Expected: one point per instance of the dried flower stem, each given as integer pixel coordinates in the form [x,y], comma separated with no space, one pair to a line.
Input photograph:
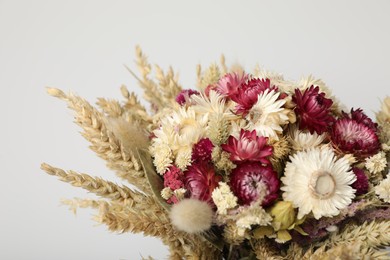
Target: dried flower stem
[95,185]
[102,141]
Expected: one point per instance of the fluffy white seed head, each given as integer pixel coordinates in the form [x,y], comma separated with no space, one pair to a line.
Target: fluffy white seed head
[191,216]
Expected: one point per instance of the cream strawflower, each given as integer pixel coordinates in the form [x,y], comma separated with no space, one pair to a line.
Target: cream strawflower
[213,104]
[304,140]
[376,163]
[383,189]
[177,133]
[219,115]
[316,181]
[223,198]
[267,115]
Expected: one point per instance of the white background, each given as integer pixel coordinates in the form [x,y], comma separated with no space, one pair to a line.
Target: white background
[82,46]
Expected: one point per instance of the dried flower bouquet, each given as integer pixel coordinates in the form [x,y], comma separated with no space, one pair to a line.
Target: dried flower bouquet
[247,166]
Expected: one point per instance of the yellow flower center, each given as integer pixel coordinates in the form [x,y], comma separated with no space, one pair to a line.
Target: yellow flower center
[322,185]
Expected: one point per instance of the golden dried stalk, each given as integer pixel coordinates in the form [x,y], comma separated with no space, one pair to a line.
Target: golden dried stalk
[353,250]
[76,203]
[95,185]
[371,234]
[224,68]
[161,94]
[110,107]
[151,219]
[209,77]
[134,110]
[265,251]
[103,142]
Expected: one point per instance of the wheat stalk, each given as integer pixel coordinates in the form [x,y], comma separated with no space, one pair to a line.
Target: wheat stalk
[161,94]
[95,185]
[151,219]
[103,142]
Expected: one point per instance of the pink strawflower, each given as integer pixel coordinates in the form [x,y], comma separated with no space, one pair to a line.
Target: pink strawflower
[361,183]
[251,181]
[202,150]
[200,180]
[313,110]
[183,97]
[360,117]
[173,178]
[229,84]
[349,136]
[248,94]
[248,147]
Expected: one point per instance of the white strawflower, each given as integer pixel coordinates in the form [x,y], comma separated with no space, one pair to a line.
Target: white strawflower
[223,198]
[213,104]
[376,163]
[316,181]
[268,115]
[301,140]
[383,189]
[177,134]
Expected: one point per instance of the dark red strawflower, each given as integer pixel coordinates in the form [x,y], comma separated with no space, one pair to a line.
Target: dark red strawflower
[247,95]
[200,180]
[361,183]
[248,147]
[313,110]
[173,178]
[202,150]
[350,136]
[360,117]
[249,180]
[183,97]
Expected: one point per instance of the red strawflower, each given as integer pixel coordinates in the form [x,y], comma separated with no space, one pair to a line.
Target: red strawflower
[229,84]
[249,147]
[360,117]
[249,180]
[200,180]
[183,97]
[350,136]
[202,150]
[361,183]
[174,178]
[313,110]
[248,94]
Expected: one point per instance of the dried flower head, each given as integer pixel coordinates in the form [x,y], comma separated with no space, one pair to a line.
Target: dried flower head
[249,147]
[316,181]
[313,109]
[252,182]
[352,137]
[383,189]
[223,198]
[376,163]
[191,216]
